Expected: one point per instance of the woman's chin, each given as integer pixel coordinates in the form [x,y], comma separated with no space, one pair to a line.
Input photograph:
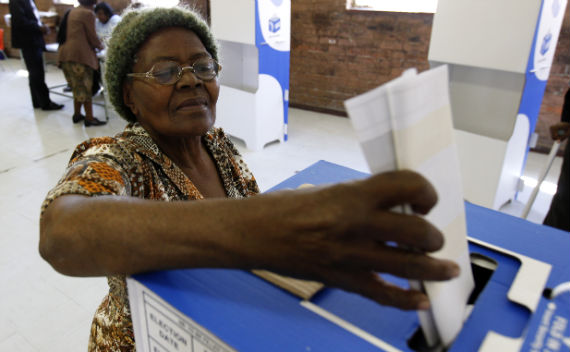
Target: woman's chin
[193,124]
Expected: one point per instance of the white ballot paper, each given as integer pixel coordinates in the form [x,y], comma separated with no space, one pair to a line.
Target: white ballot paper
[406,124]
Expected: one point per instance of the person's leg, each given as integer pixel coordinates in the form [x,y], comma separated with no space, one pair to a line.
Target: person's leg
[36,76]
[67,68]
[77,117]
[559,213]
[88,109]
[86,96]
[90,120]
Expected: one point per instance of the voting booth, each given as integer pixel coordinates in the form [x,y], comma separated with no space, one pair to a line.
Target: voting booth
[232,310]
[499,55]
[254,37]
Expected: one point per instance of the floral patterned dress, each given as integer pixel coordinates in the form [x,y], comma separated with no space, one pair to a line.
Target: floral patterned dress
[131,164]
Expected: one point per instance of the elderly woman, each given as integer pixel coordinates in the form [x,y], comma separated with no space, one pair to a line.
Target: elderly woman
[78,60]
[171,191]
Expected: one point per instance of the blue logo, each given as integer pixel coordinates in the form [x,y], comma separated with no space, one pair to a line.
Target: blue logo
[277,2]
[274,24]
[555,8]
[545,43]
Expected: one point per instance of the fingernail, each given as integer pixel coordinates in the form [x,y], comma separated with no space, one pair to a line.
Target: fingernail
[423,305]
[454,271]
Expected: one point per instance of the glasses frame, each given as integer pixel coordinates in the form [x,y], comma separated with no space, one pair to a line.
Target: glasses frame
[150,74]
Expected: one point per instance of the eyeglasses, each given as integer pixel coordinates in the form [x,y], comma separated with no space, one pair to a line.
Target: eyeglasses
[170,72]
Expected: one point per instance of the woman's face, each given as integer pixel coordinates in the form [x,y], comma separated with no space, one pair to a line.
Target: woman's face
[184,109]
[102,16]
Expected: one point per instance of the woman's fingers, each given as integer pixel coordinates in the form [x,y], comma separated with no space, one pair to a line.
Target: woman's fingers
[404,187]
[403,229]
[400,262]
[371,285]
[413,265]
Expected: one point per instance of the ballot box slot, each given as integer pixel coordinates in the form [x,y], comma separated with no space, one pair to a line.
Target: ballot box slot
[483,268]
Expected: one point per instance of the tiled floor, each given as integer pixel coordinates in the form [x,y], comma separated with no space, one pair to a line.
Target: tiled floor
[41,310]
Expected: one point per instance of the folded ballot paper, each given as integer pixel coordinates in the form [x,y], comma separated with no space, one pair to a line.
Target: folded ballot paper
[406,124]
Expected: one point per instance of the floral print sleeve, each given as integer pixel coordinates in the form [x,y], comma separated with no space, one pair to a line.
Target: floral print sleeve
[94,169]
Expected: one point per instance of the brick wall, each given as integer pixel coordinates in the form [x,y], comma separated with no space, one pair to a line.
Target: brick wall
[336,54]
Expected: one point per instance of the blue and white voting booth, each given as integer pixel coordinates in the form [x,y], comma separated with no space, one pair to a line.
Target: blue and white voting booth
[499,55]
[255,37]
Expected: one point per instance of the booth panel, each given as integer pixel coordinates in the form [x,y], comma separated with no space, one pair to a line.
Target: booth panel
[240,65]
[233,20]
[466,31]
[481,160]
[484,101]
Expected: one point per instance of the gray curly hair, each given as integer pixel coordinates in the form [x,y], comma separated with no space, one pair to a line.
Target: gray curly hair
[133,30]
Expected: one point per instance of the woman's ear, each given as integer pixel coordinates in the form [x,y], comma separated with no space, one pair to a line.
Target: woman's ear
[128,99]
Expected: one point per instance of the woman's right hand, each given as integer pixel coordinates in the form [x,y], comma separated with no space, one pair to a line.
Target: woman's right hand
[343,235]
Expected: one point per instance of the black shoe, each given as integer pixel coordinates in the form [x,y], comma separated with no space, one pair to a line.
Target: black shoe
[52,106]
[78,118]
[94,122]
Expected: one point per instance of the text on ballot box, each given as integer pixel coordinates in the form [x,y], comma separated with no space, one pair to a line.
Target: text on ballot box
[170,331]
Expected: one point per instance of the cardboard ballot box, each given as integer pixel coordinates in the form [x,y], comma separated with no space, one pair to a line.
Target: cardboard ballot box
[515,264]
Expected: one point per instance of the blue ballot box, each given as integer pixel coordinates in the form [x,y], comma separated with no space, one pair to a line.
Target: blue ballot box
[233,310]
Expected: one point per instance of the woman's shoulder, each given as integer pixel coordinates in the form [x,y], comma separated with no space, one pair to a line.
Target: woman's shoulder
[82,13]
[96,145]
[119,147]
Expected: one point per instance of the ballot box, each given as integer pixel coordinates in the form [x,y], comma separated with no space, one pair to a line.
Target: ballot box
[516,264]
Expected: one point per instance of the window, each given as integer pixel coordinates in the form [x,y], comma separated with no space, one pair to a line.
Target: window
[428,6]
[161,3]
[67,2]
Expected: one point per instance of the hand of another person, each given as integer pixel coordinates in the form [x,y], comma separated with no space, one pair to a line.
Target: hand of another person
[560,131]
[344,234]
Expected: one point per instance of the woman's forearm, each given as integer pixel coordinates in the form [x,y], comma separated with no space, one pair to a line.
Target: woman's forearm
[94,236]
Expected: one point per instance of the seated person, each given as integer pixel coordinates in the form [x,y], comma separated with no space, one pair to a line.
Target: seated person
[106,21]
[172,191]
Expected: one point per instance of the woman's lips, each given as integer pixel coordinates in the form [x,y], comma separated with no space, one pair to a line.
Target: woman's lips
[193,103]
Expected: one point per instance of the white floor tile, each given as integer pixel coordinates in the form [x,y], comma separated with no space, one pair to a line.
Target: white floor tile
[16,343]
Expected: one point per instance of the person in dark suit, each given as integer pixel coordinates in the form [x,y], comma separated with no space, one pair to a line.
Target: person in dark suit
[27,35]
[559,213]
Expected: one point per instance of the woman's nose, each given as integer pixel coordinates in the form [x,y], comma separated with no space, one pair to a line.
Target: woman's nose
[188,78]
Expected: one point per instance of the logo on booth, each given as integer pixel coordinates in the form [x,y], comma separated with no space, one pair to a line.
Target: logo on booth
[274,24]
[555,8]
[545,43]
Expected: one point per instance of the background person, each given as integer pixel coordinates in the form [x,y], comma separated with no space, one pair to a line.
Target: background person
[559,213]
[27,35]
[106,21]
[78,60]
[171,191]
